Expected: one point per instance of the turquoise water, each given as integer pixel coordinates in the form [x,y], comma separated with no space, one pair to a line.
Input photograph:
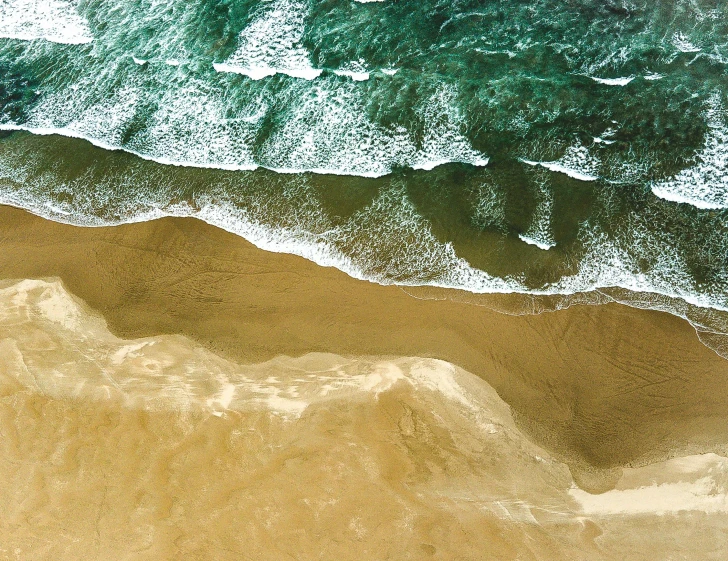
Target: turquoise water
[546,147]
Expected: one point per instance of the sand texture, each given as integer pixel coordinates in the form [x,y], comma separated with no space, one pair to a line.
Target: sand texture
[603,386]
[157,448]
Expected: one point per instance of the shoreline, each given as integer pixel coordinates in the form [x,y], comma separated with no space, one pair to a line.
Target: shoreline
[601,386]
[157,190]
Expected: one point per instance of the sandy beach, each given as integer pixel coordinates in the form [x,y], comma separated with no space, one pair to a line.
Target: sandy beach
[363,280]
[604,386]
[169,385]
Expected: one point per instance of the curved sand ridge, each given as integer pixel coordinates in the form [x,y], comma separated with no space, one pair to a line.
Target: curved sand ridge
[159,447]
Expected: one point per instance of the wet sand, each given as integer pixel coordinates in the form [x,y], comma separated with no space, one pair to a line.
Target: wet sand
[600,386]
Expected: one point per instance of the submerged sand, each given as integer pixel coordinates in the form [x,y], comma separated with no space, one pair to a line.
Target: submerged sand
[156,448]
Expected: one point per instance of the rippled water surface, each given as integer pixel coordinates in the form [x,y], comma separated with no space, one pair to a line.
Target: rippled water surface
[541,146]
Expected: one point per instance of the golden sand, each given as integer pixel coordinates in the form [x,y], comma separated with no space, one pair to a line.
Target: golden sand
[156,448]
[608,384]
[230,403]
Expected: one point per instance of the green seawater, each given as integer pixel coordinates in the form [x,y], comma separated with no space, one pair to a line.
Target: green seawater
[547,147]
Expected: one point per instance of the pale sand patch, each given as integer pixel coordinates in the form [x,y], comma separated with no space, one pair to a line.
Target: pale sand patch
[693,483]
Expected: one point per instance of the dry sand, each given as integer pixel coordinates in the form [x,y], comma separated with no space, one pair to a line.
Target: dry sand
[157,449]
[195,436]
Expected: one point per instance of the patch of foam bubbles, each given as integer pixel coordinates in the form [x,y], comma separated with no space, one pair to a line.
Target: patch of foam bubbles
[356,70]
[323,126]
[608,263]
[443,142]
[327,131]
[613,81]
[217,140]
[705,184]
[490,207]
[53,20]
[393,243]
[387,242]
[681,42]
[539,233]
[272,43]
[576,162]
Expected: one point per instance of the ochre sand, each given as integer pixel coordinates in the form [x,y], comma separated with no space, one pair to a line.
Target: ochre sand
[604,385]
[131,465]
[156,448]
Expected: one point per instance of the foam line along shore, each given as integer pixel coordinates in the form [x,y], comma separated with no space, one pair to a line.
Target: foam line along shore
[452,227]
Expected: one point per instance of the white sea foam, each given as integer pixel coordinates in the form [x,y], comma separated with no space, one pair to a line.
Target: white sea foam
[410,250]
[538,243]
[354,75]
[576,162]
[260,72]
[271,43]
[323,128]
[443,141]
[217,141]
[683,44]
[70,133]
[539,233]
[53,20]
[613,81]
[328,131]
[612,263]
[704,184]
[570,171]
[356,70]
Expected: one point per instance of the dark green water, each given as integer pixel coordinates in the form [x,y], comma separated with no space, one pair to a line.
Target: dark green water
[547,147]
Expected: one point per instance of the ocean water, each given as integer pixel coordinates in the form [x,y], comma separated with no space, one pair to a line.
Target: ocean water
[539,147]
